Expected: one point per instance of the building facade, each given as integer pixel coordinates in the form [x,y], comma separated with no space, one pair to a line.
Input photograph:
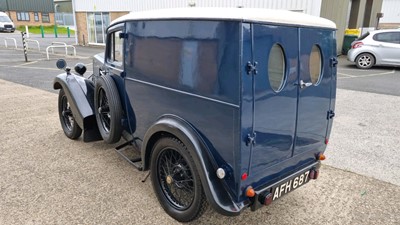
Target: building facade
[93,16]
[391,14]
[29,12]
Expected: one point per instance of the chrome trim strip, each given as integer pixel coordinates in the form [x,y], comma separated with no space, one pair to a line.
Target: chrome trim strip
[183,92]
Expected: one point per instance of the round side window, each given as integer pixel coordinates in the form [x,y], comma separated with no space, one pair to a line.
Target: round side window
[276,67]
[315,64]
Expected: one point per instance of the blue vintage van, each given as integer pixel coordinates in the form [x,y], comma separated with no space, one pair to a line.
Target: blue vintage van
[227,107]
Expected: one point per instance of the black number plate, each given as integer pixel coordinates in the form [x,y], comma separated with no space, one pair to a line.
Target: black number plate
[290,185]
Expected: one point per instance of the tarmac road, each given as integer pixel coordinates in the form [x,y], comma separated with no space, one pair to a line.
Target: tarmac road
[48,179]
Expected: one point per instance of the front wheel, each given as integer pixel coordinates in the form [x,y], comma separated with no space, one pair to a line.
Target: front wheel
[365,61]
[176,180]
[70,127]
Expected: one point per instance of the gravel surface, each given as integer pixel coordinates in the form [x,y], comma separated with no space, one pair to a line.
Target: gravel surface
[49,179]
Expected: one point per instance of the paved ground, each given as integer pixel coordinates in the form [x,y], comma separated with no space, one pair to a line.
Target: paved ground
[49,179]
[383,80]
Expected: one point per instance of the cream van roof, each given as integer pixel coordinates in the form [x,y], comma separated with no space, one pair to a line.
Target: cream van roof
[239,14]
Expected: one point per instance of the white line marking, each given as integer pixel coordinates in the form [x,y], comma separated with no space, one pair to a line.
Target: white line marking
[347,75]
[356,69]
[28,63]
[368,75]
[31,67]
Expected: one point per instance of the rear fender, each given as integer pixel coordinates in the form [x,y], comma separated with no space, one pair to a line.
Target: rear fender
[217,195]
[80,94]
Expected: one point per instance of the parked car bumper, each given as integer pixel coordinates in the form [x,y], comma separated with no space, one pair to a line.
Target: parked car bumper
[7,29]
[352,54]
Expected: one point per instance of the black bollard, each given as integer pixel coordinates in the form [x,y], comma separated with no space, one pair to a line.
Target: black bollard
[24,46]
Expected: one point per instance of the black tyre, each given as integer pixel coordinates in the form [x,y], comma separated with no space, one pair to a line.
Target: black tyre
[108,109]
[176,181]
[70,127]
[365,61]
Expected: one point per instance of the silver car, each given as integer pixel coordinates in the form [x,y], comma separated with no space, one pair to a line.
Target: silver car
[379,47]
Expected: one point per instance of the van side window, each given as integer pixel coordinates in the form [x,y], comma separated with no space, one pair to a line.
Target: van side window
[276,68]
[315,64]
[116,48]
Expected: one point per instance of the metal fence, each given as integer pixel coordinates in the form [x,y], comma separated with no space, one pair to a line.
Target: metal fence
[64,19]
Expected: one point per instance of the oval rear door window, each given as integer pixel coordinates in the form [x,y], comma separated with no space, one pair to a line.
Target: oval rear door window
[315,64]
[276,68]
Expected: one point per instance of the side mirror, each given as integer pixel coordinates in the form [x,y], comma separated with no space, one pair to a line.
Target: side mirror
[61,64]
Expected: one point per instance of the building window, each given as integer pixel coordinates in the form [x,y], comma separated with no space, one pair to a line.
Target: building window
[97,24]
[36,15]
[45,18]
[23,16]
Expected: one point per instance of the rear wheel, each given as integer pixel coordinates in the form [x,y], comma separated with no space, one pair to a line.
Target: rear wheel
[108,109]
[365,61]
[176,181]
[70,127]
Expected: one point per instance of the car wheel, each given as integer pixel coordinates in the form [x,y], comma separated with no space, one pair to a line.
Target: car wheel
[70,127]
[176,180]
[108,109]
[365,61]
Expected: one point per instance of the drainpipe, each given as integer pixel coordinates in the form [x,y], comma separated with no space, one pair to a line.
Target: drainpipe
[8,9]
[74,16]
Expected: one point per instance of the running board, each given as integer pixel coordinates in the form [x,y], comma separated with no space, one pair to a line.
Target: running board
[130,154]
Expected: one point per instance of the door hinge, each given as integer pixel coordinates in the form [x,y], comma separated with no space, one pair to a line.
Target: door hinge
[330,114]
[123,35]
[251,139]
[251,68]
[334,62]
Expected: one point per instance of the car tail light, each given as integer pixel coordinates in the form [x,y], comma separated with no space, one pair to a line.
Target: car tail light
[314,174]
[266,199]
[357,44]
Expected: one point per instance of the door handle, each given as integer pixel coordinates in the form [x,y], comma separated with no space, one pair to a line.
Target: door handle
[102,72]
[304,85]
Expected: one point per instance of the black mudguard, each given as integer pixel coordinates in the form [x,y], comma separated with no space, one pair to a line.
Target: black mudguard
[80,94]
[217,195]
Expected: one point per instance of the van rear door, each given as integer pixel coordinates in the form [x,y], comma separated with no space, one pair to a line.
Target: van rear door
[315,83]
[275,49]
[292,96]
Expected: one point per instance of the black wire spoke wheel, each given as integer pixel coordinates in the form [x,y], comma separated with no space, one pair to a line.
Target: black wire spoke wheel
[70,127]
[108,109]
[67,117]
[176,180]
[104,110]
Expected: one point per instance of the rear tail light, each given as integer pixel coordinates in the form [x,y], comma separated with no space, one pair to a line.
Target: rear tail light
[314,174]
[266,199]
[357,44]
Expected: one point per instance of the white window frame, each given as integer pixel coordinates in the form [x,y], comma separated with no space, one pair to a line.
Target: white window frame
[103,27]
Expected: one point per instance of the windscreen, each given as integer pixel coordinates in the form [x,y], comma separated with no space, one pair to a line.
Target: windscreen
[4,19]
